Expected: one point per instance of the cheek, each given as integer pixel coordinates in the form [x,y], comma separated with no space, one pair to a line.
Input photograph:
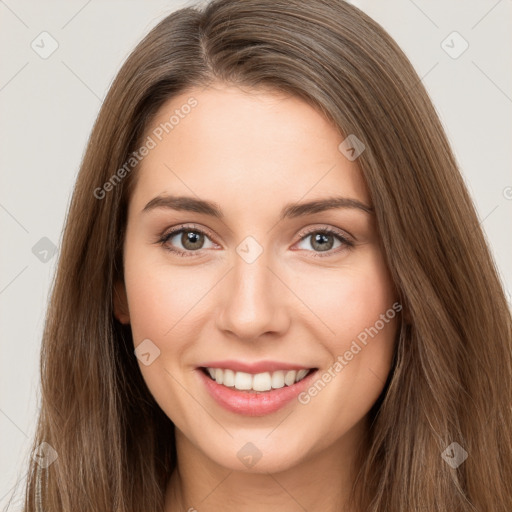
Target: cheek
[164,308]
[163,301]
[362,314]
[351,299]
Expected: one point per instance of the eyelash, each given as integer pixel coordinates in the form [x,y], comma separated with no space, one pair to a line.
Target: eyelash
[164,238]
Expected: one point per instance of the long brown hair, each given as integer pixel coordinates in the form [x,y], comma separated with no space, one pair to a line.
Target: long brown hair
[451,380]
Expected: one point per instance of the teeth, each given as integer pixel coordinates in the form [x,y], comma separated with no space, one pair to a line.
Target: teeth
[229,378]
[243,380]
[258,382]
[301,374]
[278,379]
[289,377]
[262,382]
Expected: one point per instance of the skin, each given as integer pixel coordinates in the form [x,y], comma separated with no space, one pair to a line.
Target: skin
[252,152]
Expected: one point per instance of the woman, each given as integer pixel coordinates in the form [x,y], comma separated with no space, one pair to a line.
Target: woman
[273,290]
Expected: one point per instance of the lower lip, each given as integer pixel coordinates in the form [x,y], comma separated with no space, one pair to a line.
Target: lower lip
[252,403]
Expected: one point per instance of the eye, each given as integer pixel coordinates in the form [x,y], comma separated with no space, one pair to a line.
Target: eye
[324,240]
[185,240]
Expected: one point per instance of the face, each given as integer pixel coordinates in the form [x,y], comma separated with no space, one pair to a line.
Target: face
[235,268]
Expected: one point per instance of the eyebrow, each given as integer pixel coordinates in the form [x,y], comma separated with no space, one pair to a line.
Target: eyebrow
[290,211]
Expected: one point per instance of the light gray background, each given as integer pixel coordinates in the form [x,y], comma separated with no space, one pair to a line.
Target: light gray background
[48,107]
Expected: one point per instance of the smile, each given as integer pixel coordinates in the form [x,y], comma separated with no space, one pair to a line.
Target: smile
[249,390]
[259,382]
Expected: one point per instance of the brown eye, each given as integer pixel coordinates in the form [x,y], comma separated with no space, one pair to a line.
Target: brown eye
[192,240]
[185,241]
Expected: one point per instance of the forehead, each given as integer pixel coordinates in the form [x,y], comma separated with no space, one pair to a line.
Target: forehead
[245,148]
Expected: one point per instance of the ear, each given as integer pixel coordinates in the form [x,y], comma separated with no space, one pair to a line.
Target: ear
[121,311]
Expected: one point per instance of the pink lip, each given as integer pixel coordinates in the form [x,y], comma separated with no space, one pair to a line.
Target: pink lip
[257,367]
[252,403]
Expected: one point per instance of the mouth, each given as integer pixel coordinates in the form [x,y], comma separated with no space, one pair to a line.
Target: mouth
[254,394]
[256,383]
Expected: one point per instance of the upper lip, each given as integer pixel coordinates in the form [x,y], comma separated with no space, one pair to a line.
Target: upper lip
[253,367]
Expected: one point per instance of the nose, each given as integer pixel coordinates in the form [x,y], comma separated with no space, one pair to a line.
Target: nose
[255,301]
